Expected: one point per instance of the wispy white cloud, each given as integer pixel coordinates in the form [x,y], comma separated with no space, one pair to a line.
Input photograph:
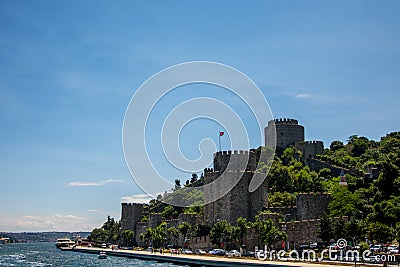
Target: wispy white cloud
[99,183]
[303,96]
[56,222]
[139,198]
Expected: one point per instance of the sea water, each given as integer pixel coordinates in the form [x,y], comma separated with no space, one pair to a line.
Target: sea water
[46,255]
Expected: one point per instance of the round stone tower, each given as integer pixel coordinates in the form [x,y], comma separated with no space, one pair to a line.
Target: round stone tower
[288,132]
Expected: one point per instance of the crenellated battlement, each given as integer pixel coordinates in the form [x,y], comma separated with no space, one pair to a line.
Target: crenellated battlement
[132,204]
[237,160]
[229,152]
[313,142]
[208,170]
[283,121]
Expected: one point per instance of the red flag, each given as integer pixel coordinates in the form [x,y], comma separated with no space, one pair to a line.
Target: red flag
[221,133]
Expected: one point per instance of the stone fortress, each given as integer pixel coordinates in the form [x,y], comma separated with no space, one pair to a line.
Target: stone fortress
[300,222]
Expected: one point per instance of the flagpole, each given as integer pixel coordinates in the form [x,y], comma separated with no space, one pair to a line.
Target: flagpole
[219,137]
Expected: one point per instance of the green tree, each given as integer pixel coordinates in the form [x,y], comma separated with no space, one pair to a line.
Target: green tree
[109,232]
[269,234]
[147,235]
[386,183]
[173,235]
[338,228]
[159,235]
[220,232]
[100,235]
[336,145]
[278,199]
[184,228]
[343,203]
[288,155]
[354,228]
[325,173]
[202,230]
[169,213]
[380,232]
[242,226]
[397,232]
[325,230]
[128,236]
[358,145]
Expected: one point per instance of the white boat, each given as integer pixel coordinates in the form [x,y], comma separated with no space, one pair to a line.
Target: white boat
[102,255]
[64,242]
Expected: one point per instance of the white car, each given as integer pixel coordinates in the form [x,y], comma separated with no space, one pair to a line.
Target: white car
[394,250]
[187,251]
[376,248]
[200,252]
[233,253]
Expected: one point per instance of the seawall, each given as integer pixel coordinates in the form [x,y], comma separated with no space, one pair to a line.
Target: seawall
[193,260]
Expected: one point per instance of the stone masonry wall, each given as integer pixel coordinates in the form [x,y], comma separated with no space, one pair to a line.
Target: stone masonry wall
[312,205]
[131,214]
[311,148]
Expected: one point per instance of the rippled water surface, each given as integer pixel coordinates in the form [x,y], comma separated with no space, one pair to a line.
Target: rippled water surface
[46,254]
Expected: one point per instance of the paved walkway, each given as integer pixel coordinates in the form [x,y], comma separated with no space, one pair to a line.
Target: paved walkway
[198,260]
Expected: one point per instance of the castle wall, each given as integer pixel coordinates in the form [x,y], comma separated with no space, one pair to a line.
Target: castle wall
[317,165]
[311,148]
[131,214]
[312,205]
[154,219]
[238,202]
[202,242]
[301,232]
[289,212]
[140,229]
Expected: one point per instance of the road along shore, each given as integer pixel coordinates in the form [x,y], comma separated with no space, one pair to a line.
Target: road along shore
[196,260]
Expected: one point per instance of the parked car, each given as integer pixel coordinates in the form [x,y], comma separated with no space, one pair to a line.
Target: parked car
[376,248]
[217,251]
[200,252]
[250,254]
[174,251]
[149,249]
[233,253]
[261,254]
[187,251]
[104,245]
[394,249]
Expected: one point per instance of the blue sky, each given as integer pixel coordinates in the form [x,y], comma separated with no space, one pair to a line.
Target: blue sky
[69,69]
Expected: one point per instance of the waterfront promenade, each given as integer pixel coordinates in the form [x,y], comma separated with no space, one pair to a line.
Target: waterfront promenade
[195,260]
